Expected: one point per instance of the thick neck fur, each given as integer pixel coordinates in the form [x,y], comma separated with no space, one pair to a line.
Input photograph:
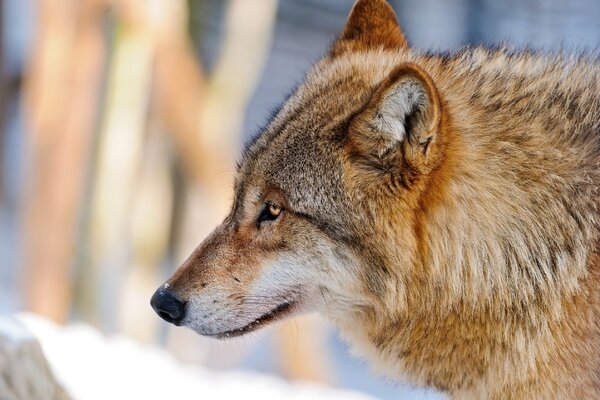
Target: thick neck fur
[503,298]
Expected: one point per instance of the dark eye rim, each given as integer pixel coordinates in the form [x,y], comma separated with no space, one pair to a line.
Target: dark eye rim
[267,214]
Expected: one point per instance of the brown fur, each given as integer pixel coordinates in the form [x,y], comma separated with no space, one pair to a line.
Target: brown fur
[441,210]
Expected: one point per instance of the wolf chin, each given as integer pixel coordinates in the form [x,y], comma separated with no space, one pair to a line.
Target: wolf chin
[440,209]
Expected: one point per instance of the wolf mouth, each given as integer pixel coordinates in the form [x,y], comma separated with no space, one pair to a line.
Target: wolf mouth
[276,313]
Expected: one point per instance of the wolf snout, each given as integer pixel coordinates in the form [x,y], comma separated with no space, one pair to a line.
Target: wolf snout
[168,306]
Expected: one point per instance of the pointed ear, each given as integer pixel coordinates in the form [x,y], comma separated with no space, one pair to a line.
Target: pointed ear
[401,123]
[372,24]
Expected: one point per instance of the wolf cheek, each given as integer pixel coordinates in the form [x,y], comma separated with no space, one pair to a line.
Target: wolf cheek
[248,274]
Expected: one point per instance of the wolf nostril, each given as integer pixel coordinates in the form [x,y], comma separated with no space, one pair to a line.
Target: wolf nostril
[164,315]
[166,304]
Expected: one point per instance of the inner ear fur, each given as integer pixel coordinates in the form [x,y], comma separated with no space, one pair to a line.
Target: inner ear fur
[402,119]
[372,24]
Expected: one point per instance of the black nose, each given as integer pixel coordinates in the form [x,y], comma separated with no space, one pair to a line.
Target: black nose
[168,306]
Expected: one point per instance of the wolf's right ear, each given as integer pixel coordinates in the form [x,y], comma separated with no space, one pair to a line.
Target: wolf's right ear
[372,24]
[400,128]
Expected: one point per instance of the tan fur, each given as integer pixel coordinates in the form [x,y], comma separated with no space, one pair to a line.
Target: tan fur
[441,210]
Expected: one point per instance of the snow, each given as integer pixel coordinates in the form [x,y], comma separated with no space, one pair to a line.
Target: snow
[92,366]
[12,331]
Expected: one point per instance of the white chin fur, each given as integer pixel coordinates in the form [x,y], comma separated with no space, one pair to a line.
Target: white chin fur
[210,318]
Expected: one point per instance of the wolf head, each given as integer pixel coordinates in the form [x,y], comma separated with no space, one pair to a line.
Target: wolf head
[334,179]
[440,210]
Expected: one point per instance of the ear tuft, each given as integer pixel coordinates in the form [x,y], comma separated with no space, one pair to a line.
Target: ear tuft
[372,24]
[405,110]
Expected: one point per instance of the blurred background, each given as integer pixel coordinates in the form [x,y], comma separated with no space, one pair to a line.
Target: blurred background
[120,121]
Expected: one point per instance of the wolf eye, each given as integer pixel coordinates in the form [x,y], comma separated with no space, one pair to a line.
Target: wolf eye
[269,213]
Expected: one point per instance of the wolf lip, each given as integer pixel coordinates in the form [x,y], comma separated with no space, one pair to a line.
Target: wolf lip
[264,319]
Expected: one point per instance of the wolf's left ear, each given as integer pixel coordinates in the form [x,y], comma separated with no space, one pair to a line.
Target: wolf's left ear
[372,24]
[402,121]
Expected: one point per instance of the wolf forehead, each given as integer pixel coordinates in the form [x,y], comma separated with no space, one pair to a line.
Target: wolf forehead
[299,149]
[299,161]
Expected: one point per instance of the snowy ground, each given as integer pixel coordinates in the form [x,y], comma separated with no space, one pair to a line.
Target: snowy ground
[91,366]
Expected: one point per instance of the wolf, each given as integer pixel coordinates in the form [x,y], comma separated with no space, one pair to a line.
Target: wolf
[441,210]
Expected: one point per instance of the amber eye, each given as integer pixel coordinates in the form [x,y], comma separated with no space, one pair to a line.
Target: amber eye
[275,210]
[269,213]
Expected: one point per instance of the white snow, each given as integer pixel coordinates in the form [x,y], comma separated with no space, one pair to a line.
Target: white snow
[91,366]
[12,330]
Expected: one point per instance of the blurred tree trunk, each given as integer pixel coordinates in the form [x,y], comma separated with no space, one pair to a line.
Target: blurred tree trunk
[152,60]
[3,103]
[179,85]
[62,86]
[119,155]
